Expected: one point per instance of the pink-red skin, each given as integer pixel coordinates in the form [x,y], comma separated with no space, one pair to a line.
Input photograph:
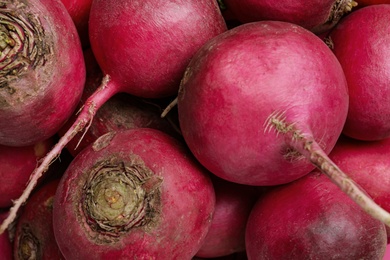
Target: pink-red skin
[368,165]
[362,3]
[226,235]
[168,31]
[312,219]
[5,242]
[308,14]
[36,219]
[122,111]
[17,163]
[79,11]
[360,42]
[387,254]
[239,79]
[45,96]
[145,45]
[187,199]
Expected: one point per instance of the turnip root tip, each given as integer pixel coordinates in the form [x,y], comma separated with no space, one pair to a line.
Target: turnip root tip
[308,147]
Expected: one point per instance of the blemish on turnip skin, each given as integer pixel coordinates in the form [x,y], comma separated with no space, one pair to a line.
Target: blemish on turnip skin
[103,141]
[29,247]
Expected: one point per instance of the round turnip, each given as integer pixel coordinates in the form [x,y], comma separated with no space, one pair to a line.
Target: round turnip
[312,219]
[34,236]
[134,194]
[42,70]
[143,48]
[226,234]
[317,16]
[361,43]
[367,163]
[17,163]
[263,104]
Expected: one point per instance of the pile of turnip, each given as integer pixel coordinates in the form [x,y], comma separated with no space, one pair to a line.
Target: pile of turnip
[181,129]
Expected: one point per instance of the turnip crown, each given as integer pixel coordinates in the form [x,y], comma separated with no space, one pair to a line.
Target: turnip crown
[119,196]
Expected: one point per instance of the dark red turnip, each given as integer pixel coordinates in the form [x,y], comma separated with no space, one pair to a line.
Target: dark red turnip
[312,219]
[34,236]
[261,101]
[317,16]
[135,194]
[79,11]
[5,242]
[368,164]
[143,48]
[17,163]
[42,70]
[361,42]
[226,235]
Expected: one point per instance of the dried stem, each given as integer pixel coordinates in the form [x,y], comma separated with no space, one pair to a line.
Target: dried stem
[308,147]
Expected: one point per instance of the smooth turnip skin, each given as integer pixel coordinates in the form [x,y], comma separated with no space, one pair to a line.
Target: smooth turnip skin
[367,163]
[79,11]
[237,82]
[226,234]
[17,163]
[361,43]
[179,206]
[42,85]
[387,254]
[261,101]
[34,236]
[312,219]
[145,45]
[317,16]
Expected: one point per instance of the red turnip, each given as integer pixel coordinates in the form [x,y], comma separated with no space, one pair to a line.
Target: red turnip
[259,99]
[312,219]
[5,242]
[79,11]
[134,194]
[387,254]
[122,111]
[143,48]
[42,70]
[17,163]
[368,164]
[226,235]
[361,43]
[34,236]
[317,16]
